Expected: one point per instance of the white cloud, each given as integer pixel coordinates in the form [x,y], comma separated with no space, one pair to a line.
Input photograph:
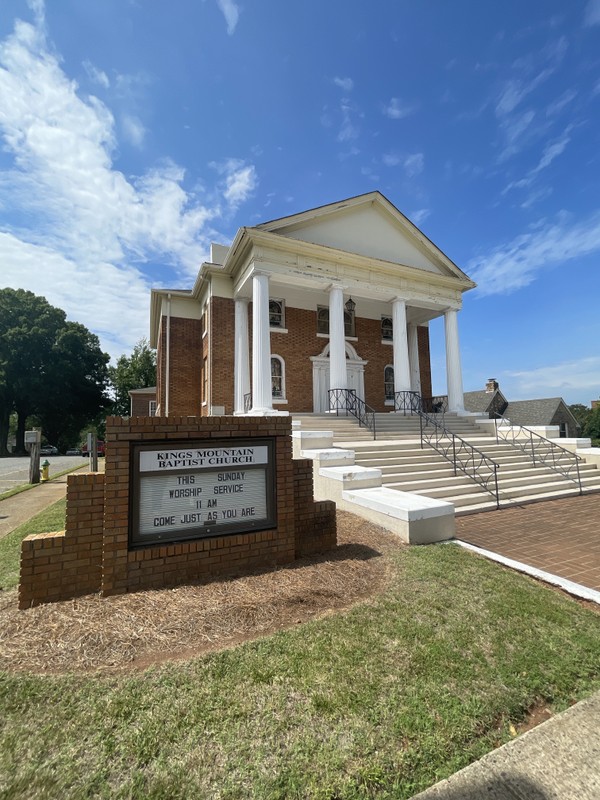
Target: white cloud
[551,151]
[560,103]
[397,109]
[240,185]
[96,75]
[515,122]
[231,12]
[514,129]
[592,13]
[516,264]
[346,84]
[413,164]
[96,293]
[239,180]
[514,91]
[418,217]
[74,227]
[133,130]
[391,159]
[573,380]
[348,129]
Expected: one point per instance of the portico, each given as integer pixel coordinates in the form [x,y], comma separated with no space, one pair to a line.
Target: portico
[338,297]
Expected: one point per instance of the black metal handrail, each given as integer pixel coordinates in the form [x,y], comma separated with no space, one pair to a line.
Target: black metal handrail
[462,455]
[347,400]
[435,405]
[247,402]
[539,449]
[407,402]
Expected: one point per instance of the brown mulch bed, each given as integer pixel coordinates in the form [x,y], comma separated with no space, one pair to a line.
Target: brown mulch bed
[136,630]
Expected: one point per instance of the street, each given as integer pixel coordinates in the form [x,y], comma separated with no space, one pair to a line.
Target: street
[14,471]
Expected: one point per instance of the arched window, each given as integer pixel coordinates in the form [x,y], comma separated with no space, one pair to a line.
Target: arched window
[387,329]
[388,382]
[323,321]
[277,378]
[276,313]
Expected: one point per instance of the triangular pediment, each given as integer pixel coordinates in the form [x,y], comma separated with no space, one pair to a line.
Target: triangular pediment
[367,225]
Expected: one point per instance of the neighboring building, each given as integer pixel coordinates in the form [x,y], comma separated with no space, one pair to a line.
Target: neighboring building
[143,402]
[545,411]
[491,401]
[337,297]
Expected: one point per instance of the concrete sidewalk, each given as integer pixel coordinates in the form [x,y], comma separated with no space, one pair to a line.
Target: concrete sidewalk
[20,508]
[557,760]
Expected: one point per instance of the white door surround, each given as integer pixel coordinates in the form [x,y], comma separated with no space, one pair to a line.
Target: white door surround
[355,370]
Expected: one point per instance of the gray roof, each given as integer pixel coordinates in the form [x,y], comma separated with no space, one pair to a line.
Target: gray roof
[482,400]
[535,412]
[146,390]
[478,401]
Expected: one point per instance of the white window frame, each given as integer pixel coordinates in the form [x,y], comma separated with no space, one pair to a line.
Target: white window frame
[281,327]
[389,401]
[282,399]
[152,408]
[385,340]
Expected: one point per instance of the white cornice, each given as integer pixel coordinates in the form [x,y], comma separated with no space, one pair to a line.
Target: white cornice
[323,253]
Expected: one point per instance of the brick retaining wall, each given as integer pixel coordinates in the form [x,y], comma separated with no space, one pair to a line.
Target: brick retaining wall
[93,553]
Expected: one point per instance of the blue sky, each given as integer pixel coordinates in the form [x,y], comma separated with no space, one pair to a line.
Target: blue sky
[134,133]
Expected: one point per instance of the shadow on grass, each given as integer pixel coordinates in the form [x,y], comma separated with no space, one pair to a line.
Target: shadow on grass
[508,786]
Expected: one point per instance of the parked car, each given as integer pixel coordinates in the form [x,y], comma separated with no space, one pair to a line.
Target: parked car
[48,450]
[73,451]
[100,447]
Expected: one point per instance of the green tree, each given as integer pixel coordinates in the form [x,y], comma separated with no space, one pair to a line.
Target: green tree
[49,367]
[592,426]
[79,365]
[581,413]
[137,371]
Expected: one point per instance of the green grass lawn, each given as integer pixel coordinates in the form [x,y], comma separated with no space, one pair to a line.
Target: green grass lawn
[379,701]
[51,519]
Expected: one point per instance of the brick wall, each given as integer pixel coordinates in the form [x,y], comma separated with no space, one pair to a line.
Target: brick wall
[295,347]
[57,566]
[315,522]
[424,360]
[140,404]
[378,355]
[93,553]
[185,385]
[222,343]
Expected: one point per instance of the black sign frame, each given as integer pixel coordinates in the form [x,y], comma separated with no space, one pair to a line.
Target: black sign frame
[206,530]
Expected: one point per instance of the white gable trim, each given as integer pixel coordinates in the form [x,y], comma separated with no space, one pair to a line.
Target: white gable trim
[396,217]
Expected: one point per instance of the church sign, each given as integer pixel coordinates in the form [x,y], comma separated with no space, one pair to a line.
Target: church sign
[197,489]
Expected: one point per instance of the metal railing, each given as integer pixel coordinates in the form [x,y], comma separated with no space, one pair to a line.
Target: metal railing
[462,455]
[435,405]
[247,402]
[347,401]
[408,402]
[539,449]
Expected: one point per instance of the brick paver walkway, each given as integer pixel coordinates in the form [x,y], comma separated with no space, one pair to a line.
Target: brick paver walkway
[558,536]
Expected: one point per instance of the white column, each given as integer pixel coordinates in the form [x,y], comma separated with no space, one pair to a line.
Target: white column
[401,360]
[338,374]
[242,362]
[413,358]
[262,399]
[453,367]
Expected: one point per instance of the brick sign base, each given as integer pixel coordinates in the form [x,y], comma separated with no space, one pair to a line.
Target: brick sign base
[94,554]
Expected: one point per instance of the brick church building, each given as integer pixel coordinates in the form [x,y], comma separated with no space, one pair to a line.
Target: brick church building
[336,297]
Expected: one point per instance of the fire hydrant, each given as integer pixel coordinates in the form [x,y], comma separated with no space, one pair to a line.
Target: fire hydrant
[45,470]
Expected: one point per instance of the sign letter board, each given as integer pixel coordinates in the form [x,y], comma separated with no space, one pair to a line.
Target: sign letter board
[196,489]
